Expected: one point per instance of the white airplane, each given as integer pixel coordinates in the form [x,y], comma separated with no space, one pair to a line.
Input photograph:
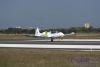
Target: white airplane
[49,34]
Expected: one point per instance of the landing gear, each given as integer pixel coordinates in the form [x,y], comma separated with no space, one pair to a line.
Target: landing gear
[51,39]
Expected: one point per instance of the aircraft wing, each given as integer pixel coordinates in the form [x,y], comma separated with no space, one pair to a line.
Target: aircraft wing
[72,33]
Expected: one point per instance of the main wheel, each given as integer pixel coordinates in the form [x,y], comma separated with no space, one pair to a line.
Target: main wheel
[51,39]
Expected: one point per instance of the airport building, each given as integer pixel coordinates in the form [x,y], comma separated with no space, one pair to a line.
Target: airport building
[18,27]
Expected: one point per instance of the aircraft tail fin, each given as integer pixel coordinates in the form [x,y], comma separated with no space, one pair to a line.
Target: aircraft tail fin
[37,32]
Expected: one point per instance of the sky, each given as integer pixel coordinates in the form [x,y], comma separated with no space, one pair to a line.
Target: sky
[49,13]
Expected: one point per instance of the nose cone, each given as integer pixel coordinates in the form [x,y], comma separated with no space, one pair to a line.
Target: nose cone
[61,34]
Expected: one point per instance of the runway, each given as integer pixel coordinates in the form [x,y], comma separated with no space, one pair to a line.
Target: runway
[70,44]
[56,42]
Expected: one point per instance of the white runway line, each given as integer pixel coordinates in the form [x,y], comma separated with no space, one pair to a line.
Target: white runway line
[68,40]
[51,46]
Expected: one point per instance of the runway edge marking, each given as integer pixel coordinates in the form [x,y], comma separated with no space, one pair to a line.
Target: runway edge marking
[51,46]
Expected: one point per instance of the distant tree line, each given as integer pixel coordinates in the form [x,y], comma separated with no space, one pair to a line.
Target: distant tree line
[17,31]
[75,29]
[64,30]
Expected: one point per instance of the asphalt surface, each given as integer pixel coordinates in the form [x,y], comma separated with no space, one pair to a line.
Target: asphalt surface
[52,43]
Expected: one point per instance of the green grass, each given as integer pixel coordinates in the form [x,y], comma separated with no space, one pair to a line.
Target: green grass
[14,57]
[84,36]
[14,37]
[23,37]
